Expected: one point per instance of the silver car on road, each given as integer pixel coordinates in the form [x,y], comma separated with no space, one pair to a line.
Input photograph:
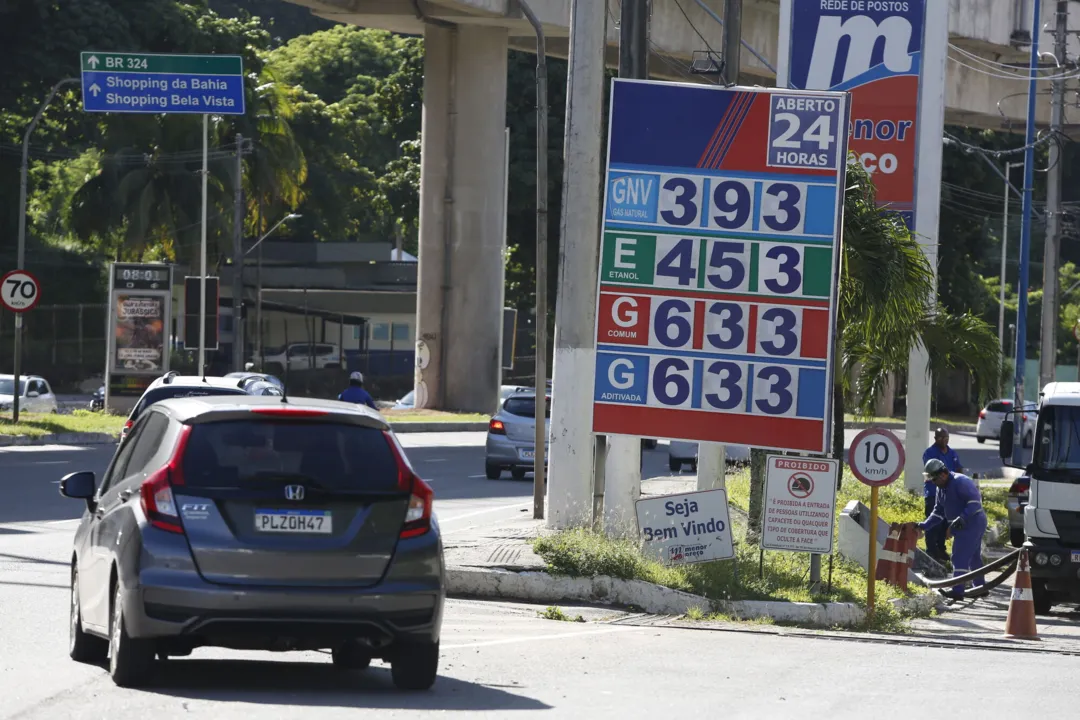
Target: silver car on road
[511,438]
[257,523]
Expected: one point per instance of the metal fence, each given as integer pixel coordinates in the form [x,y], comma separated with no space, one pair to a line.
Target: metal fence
[65,343]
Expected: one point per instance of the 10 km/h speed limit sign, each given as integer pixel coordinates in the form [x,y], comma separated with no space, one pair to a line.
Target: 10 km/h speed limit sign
[19,291]
[876,457]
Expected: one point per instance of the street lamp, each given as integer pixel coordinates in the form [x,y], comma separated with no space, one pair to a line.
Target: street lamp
[258,284]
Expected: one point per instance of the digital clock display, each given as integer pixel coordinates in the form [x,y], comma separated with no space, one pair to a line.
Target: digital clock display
[147,275]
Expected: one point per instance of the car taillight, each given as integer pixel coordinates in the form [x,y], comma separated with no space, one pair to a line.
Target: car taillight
[1025,417]
[496,427]
[418,516]
[1019,486]
[156,494]
[982,414]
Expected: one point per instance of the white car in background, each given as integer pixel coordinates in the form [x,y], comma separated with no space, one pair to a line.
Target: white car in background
[998,411]
[682,453]
[35,395]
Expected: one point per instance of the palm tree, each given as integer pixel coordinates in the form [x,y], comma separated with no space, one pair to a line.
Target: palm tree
[883,314]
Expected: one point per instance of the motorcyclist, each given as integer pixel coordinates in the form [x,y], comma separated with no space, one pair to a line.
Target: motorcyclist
[356,393]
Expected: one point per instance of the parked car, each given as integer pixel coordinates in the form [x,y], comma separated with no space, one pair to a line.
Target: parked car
[998,411]
[35,395]
[1016,500]
[682,453]
[248,376]
[302,356]
[251,523]
[173,384]
[511,437]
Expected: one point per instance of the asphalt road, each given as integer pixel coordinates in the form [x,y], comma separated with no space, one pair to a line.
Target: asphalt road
[498,659]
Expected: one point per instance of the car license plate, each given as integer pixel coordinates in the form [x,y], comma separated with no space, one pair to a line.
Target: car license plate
[1076,557]
[529,455]
[294,521]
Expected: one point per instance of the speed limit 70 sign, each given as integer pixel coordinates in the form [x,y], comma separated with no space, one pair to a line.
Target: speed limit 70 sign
[19,291]
[876,457]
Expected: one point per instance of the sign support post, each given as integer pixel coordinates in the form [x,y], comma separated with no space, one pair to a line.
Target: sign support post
[202,249]
[876,458]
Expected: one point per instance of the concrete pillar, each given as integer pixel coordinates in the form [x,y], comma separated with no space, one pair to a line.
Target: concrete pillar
[622,485]
[711,465]
[572,441]
[459,299]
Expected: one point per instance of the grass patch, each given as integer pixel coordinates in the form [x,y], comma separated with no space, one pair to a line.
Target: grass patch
[406,416]
[782,576]
[556,613]
[79,421]
[777,576]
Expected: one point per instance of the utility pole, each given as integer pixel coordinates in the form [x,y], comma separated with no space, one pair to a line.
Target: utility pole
[622,463]
[1051,249]
[1004,249]
[540,415]
[238,258]
[1025,233]
[732,40]
[573,470]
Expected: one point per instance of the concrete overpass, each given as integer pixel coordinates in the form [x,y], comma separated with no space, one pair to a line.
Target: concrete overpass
[462,223]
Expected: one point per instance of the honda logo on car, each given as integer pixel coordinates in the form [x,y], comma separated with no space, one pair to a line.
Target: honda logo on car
[294,492]
[693,527]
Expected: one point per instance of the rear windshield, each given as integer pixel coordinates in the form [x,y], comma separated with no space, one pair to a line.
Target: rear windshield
[999,406]
[167,392]
[250,453]
[525,407]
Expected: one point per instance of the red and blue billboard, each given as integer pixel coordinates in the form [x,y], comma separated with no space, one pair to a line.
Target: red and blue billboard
[717,286]
[872,49]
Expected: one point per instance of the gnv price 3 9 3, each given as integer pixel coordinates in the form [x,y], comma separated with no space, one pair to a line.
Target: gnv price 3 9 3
[720,204]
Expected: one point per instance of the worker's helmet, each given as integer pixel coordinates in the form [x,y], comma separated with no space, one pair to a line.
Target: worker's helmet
[933,467]
[357,376]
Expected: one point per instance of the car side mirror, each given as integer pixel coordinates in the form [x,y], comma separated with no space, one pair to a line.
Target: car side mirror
[1005,447]
[79,486]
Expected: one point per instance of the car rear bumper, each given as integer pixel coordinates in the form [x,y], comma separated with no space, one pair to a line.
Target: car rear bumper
[505,452]
[304,619]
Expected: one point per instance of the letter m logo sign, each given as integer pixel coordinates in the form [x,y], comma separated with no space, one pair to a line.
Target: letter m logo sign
[863,34]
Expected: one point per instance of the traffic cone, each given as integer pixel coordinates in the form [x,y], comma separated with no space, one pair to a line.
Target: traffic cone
[891,557]
[1020,623]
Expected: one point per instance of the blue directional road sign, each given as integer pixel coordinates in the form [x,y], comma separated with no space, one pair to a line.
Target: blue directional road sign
[156,84]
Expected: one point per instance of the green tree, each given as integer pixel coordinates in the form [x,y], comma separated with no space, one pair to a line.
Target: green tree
[882,314]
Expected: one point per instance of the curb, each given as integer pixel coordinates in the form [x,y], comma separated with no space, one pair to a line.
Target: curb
[542,587]
[417,427]
[59,439]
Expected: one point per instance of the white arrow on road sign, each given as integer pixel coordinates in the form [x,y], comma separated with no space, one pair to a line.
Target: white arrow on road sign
[93,61]
[19,291]
[95,89]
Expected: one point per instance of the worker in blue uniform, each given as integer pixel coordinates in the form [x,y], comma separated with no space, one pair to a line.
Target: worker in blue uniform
[356,393]
[935,538]
[958,505]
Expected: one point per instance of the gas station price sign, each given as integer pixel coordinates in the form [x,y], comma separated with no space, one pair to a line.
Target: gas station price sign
[717,284]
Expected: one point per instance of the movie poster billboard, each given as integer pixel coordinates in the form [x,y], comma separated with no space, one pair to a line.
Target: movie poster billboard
[140,333]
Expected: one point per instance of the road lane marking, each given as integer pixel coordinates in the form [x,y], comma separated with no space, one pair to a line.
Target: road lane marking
[482,512]
[535,638]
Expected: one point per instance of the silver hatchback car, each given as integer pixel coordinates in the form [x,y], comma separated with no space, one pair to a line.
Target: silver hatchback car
[511,437]
[257,523]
